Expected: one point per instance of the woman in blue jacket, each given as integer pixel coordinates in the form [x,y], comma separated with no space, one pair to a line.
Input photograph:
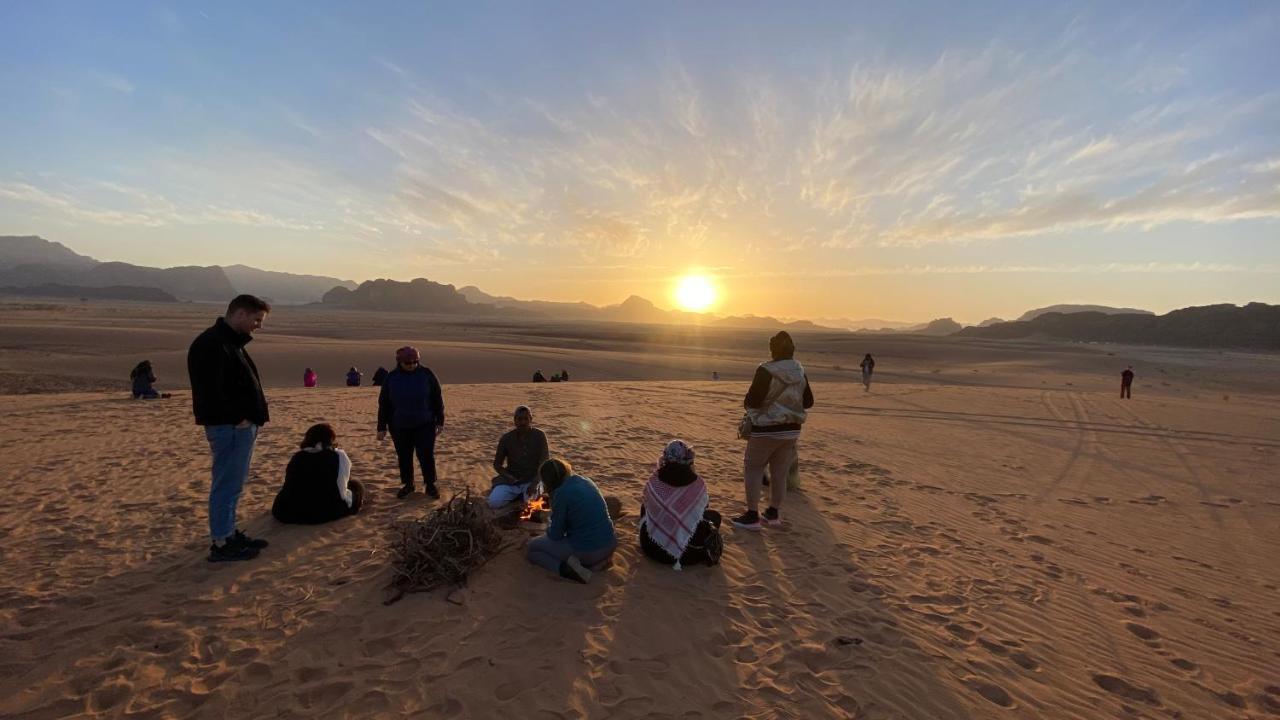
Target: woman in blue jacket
[580,535]
[411,406]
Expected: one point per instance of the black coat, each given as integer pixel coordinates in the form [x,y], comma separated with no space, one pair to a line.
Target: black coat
[310,493]
[225,388]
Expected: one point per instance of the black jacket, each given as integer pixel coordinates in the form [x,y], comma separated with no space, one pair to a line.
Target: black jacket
[310,493]
[225,388]
[410,400]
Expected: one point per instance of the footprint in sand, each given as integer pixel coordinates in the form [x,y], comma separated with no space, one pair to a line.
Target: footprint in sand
[1184,664]
[1142,631]
[1125,689]
[990,691]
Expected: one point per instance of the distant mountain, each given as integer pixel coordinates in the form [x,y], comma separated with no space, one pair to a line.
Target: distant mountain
[27,261]
[764,322]
[1069,309]
[991,321]
[188,282]
[560,310]
[636,309]
[33,250]
[1255,326]
[420,295]
[282,287]
[111,292]
[863,324]
[941,326]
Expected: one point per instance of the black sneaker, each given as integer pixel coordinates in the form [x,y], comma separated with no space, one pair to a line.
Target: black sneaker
[771,518]
[433,492]
[573,570]
[405,491]
[240,538]
[749,520]
[231,552]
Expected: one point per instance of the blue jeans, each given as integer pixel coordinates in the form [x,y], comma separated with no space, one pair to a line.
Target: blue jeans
[502,494]
[232,449]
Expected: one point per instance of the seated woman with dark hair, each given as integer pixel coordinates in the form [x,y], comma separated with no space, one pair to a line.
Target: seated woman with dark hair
[317,485]
[142,378]
[676,527]
[580,534]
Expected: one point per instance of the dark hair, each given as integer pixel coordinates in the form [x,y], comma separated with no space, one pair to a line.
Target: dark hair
[677,475]
[781,346]
[249,303]
[322,433]
[553,472]
[140,368]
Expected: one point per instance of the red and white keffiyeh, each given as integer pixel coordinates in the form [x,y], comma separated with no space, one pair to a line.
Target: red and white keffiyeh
[671,514]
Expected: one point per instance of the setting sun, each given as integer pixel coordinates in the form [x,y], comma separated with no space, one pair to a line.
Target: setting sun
[695,293]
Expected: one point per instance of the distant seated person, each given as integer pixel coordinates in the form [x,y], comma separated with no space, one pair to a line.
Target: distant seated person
[353,377]
[317,482]
[520,453]
[143,379]
[555,378]
[309,378]
[676,526]
[580,536]
[564,376]
[379,376]
[538,376]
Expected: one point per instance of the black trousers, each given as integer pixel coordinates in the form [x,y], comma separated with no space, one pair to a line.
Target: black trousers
[420,441]
[692,556]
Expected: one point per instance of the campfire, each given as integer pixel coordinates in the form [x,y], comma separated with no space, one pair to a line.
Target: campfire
[536,510]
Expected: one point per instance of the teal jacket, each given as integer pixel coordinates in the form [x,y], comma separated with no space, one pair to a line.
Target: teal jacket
[578,513]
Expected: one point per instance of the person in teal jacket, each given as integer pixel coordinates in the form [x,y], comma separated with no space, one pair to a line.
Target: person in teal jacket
[580,536]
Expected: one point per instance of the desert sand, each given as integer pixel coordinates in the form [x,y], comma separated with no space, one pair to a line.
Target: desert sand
[990,533]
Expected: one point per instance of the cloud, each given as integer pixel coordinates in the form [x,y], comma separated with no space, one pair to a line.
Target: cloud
[694,164]
[113,82]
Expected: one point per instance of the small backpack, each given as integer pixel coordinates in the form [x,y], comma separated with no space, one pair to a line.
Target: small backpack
[708,542]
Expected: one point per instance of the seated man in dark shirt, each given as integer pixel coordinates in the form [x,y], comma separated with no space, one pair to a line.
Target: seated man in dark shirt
[520,453]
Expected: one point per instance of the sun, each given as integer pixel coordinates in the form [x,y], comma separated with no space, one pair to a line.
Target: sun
[695,293]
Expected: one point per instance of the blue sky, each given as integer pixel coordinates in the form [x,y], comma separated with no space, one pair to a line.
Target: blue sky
[819,160]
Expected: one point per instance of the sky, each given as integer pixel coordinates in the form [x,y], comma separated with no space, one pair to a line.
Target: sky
[903,161]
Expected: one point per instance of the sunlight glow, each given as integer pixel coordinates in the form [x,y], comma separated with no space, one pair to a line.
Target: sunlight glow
[695,293]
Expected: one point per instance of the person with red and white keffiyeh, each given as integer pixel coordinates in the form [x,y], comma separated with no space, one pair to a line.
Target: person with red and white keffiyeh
[676,526]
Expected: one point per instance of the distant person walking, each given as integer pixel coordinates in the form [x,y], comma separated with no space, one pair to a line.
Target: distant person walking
[309,378]
[776,405]
[412,406]
[227,398]
[379,376]
[1126,383]
[868,366]
[354,377]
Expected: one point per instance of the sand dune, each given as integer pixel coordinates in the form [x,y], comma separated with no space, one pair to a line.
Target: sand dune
[958,552]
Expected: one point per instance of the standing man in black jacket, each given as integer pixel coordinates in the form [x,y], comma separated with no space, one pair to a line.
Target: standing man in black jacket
[226,395]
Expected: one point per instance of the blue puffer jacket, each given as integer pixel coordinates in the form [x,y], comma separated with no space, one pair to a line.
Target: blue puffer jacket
[409,400]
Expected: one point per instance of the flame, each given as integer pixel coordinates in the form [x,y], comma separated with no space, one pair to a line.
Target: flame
[534,506]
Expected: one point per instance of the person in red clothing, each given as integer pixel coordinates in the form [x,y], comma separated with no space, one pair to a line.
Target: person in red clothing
[1126,382]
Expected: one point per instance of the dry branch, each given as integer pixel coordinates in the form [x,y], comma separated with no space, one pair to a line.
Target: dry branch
[443,547]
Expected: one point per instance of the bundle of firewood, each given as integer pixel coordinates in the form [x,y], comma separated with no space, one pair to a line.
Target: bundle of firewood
[440,549]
